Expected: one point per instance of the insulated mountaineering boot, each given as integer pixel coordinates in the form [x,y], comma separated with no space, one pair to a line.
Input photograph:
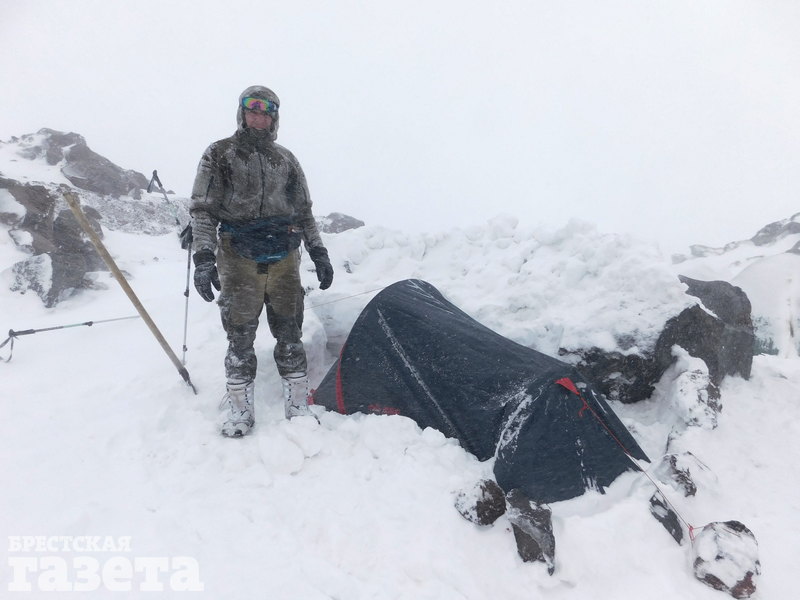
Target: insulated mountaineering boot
[239,400]
[295,395]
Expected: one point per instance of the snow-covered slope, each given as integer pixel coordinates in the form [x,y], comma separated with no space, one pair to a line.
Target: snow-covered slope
[101,437]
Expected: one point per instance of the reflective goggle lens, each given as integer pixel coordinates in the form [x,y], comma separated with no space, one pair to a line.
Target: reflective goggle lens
[257,104]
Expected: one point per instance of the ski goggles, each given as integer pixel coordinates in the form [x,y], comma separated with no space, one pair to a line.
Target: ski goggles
[259,105]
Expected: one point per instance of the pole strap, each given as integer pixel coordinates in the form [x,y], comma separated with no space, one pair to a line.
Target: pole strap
[10,339]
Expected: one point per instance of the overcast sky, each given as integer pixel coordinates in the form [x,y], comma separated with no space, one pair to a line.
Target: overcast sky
[678,120]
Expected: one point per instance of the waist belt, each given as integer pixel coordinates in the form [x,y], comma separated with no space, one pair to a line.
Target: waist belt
[263,240]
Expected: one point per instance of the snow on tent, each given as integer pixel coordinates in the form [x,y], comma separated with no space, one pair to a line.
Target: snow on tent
[413,353]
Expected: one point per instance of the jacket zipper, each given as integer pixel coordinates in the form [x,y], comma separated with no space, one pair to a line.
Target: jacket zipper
[263,186]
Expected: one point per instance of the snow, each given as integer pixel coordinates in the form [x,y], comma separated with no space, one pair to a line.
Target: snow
[38,270]
[544,289]
[773,286]
[24,161]
[683,392]
[101,437]
[9,205]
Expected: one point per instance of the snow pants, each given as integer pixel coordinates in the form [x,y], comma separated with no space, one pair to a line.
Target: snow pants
[246,288]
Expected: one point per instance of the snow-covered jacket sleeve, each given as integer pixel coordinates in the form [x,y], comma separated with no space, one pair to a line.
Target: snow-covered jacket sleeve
[206,198]
[301,200]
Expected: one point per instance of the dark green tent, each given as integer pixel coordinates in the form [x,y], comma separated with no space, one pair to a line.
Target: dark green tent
[413,353]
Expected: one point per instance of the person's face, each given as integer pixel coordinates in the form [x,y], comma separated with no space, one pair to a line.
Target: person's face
[257,120]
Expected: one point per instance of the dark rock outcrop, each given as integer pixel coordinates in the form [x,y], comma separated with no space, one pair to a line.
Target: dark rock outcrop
[483,504]
[533,529]
[725,340]
[777,230]
[664,514]
[626,378]
[338,222]
[83,167]
[42,226]
[767,235]
[61,256]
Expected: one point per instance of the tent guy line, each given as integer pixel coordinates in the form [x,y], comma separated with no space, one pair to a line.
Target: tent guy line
[567,383]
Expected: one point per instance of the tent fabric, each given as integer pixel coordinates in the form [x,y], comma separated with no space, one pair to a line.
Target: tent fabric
[413,353]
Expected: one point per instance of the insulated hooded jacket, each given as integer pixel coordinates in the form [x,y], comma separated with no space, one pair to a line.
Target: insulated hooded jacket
[248,177]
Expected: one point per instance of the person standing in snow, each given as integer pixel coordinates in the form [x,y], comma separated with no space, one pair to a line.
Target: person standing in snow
[250,210]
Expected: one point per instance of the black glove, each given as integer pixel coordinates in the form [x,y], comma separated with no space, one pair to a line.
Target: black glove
[186,237]
[205,274]
[323,265]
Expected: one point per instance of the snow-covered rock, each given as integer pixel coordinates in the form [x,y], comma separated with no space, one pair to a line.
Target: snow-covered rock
[765,268]
[481,504]
[60,259]
[48,159]
[687,388]
[663,512]
[726,558]
[338,222]
[683,471]
[719,331]
[82,167]
[533,529]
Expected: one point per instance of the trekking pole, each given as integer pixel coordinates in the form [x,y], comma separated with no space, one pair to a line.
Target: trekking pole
[12,335]
[155,179]
[186,242]
[186,293]
[74,204]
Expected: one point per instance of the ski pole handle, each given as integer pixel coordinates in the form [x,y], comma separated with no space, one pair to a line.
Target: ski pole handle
[12,333]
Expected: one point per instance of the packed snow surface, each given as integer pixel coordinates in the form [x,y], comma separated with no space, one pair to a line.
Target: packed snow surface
[100,436]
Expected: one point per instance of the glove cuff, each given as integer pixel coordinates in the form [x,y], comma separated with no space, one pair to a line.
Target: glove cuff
[202,257]
[318,252]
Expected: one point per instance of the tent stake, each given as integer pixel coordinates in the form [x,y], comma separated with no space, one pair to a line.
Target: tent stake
[74,204]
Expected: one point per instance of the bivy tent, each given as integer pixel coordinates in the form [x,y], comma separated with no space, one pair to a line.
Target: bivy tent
[411,352]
